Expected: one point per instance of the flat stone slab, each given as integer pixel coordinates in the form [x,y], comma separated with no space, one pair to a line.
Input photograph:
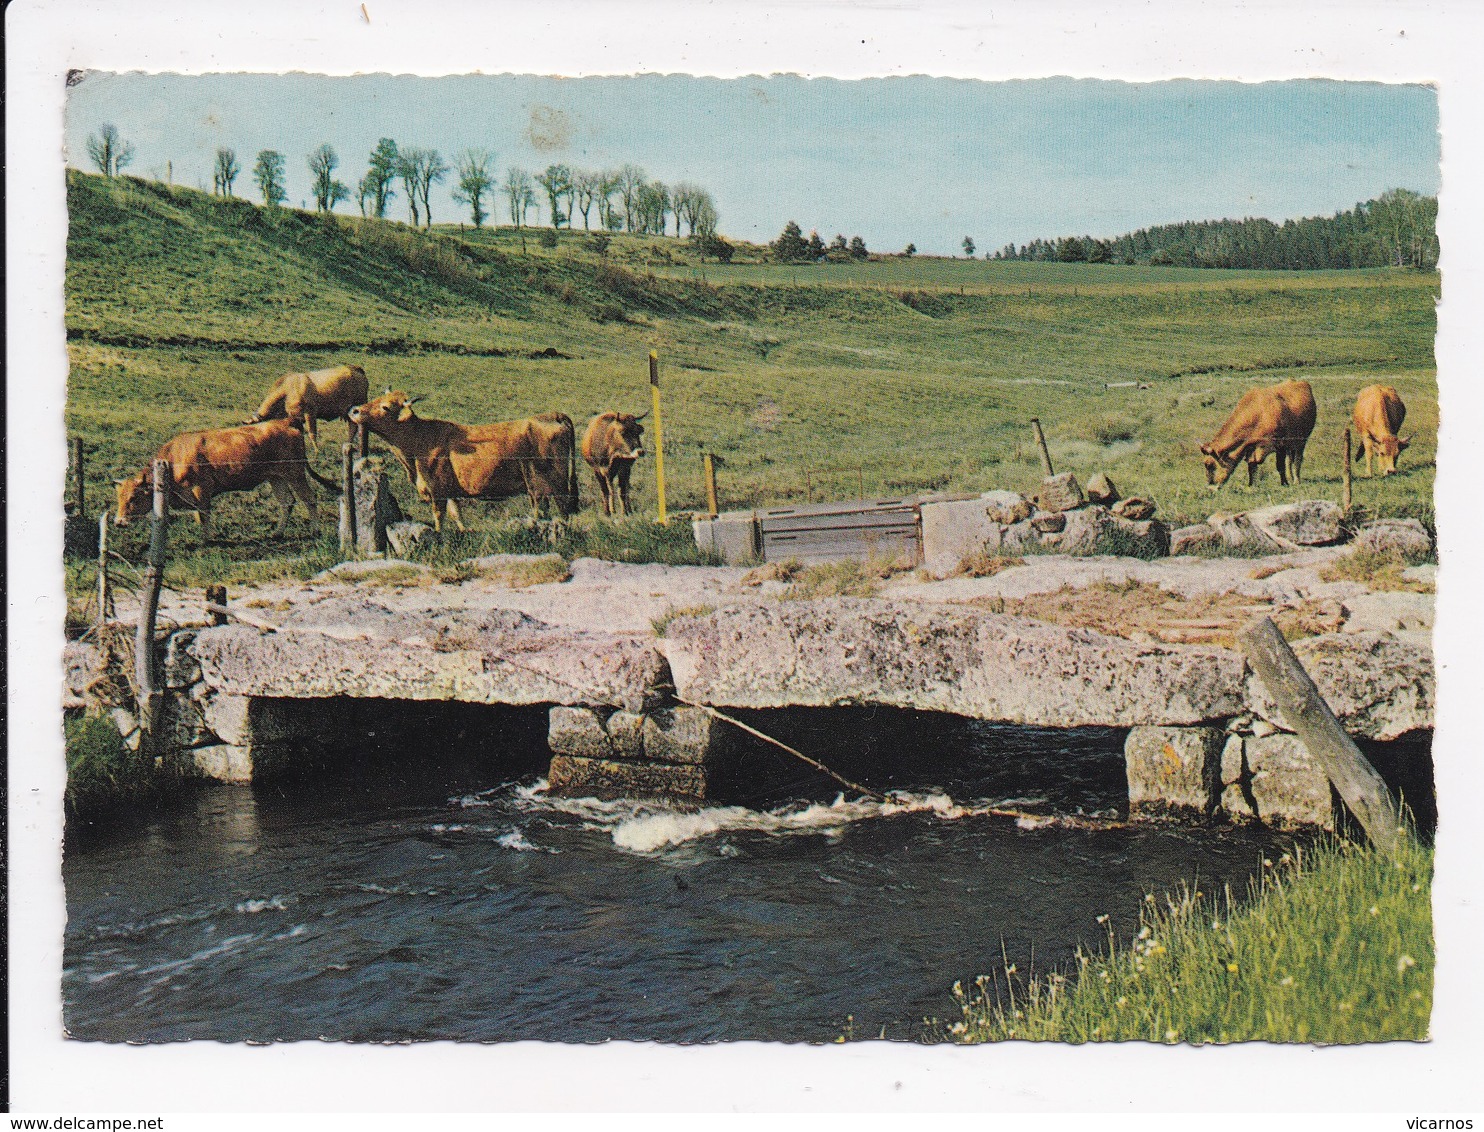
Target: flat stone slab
[840,651]
[352,646]
[1379,685]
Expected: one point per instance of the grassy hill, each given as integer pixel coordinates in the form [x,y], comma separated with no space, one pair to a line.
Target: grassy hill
[903,374]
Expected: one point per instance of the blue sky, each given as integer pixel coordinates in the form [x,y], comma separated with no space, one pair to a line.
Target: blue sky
[925,160]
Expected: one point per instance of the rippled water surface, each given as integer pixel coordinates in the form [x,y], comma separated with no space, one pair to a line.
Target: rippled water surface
[461,902]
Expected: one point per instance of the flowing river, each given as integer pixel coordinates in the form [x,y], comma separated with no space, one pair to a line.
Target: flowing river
[459,901]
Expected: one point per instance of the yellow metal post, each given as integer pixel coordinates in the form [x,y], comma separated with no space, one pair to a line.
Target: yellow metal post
[659,434]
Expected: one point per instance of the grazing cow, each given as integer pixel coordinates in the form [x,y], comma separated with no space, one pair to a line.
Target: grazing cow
[321,394]
[1278,420]
[1378,417]
[610,446]
[447,462]
[205,464]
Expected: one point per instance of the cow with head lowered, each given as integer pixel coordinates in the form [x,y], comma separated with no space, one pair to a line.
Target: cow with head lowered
[1378,416]
[447,462]
[1278,419]
[318,395]
[209,463]
[611,444]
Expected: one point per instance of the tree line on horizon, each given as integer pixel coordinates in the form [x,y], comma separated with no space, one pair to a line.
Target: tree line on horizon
[1396,229]
[623,199]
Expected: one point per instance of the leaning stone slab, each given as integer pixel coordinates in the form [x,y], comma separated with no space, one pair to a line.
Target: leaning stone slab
[406,537]
[350,646]
[1173,768]
[1100,489]
[840,651]
[1308,522]
[608,778]
[1378,686]
[953,531]
[1287,786]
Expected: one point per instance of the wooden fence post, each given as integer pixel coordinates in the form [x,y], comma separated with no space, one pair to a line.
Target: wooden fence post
[708,467]
[659,435]
[348,499]
[1304,709]
[105,591]
[1345,498]
[82,491]
[1041,444]
[216,603]
[154,574]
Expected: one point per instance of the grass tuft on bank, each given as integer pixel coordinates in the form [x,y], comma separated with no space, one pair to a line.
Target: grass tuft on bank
[101,770]
[1334,946]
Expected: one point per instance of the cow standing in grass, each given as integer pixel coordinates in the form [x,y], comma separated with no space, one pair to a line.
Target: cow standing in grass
[1378,416]
[1277,420]
[319,395]
[206,464]
[611,444]
[447,462]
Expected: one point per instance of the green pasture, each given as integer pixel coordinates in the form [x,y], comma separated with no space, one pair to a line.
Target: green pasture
[822,380]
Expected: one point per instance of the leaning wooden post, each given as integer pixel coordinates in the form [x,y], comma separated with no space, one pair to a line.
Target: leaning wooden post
[154,574]
[708,467]
[347,499]
[1041,444]
[216,603]
[82,491]
[659,434]
[105,591]
[1345,498]
[1304,709]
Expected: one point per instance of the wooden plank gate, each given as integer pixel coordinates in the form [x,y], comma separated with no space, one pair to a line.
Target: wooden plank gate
[884,529]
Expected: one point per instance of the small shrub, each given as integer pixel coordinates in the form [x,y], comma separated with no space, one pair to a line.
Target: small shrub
[1115,429]
[1375,570]
[101,770]
[548,238]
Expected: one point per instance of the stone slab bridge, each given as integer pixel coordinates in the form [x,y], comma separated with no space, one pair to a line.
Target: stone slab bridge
[626,707]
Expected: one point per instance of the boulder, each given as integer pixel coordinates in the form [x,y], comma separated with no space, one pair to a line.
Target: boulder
[1194,539]
[1049,522]
[1425,574]
[953,531]
[1134,507]
[1240,536]
[1006,507]
[1173,768]
[1095,530]
[1308,522]
[1100,489]
[933,657]
[406,537]
[1378,685]
[1389,612]
[1405,537]
[1287,786]
[1060,493]
[1018,538]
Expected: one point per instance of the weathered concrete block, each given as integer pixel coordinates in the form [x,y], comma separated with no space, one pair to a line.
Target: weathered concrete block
[1287,785]
[626,734]
[1406,537]
[1194,539]
[1307,522]
[224,762]
[1060,493]
[1006,507]
[604,778]
[1100,489]
[1173,768]
[578,731]
[178,668]
[953,531]
[406,537]
[733,536]
[682,734]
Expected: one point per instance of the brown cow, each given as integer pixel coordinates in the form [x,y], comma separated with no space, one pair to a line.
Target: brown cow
[205,464]
[1278,420]
[321,394]
[1378,417]
[447,461]
[610,446]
